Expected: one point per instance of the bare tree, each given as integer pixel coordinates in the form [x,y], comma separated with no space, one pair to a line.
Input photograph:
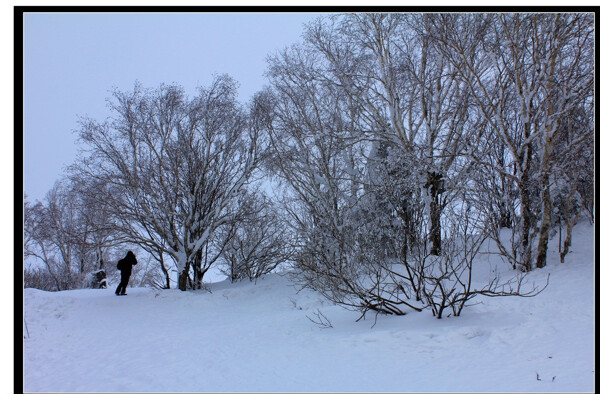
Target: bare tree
[525,72]
[572,189]
[68,234]
[40,278]
[37,242]
[375,129]
[173,165]
[96,234]
[568,79]
[406,94]
[321,157]
[258,243]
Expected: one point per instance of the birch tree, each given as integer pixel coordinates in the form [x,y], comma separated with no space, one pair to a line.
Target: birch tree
[405,93]
[375,128]
[526,72]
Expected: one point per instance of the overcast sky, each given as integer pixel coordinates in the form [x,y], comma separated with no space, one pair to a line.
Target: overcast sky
[71,61]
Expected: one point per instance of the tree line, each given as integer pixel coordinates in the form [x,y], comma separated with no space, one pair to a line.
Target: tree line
[398,145]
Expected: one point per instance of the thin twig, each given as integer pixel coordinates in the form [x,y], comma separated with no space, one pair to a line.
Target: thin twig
[323,321]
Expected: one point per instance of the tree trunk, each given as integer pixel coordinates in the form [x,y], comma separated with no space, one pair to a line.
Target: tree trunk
[182,281]
[504,216]
[567,243]
[525,229]
[435,182]
[546,167]
[526,215]
[406,217]
[183,277]
[199,277]
[165,272]
[570,222]
[545,226]
[233,274]
[198,274]
[436,229]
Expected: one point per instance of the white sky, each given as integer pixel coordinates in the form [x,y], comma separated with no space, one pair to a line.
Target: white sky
[71,61]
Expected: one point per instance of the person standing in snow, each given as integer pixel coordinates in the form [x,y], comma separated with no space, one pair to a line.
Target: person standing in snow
[125,265]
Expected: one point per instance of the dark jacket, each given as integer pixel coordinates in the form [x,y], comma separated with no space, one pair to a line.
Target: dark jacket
[127,263]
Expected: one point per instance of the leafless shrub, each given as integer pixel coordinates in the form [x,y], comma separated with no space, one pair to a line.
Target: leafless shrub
[320,319]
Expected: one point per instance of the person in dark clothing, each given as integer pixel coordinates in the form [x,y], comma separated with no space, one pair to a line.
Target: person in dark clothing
[125,265]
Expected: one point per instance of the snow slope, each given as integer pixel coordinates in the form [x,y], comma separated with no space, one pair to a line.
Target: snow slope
[256,337]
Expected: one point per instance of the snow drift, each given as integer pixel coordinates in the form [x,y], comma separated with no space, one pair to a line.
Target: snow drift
[257,337]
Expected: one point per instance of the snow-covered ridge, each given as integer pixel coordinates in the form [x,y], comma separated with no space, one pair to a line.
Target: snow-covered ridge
[257,337]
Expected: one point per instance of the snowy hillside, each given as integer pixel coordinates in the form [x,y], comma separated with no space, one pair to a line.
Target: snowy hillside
[256,337]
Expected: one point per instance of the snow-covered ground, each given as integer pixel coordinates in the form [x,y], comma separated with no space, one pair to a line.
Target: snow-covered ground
[256,337]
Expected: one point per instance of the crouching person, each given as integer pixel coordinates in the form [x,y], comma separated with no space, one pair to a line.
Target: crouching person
[125,265]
